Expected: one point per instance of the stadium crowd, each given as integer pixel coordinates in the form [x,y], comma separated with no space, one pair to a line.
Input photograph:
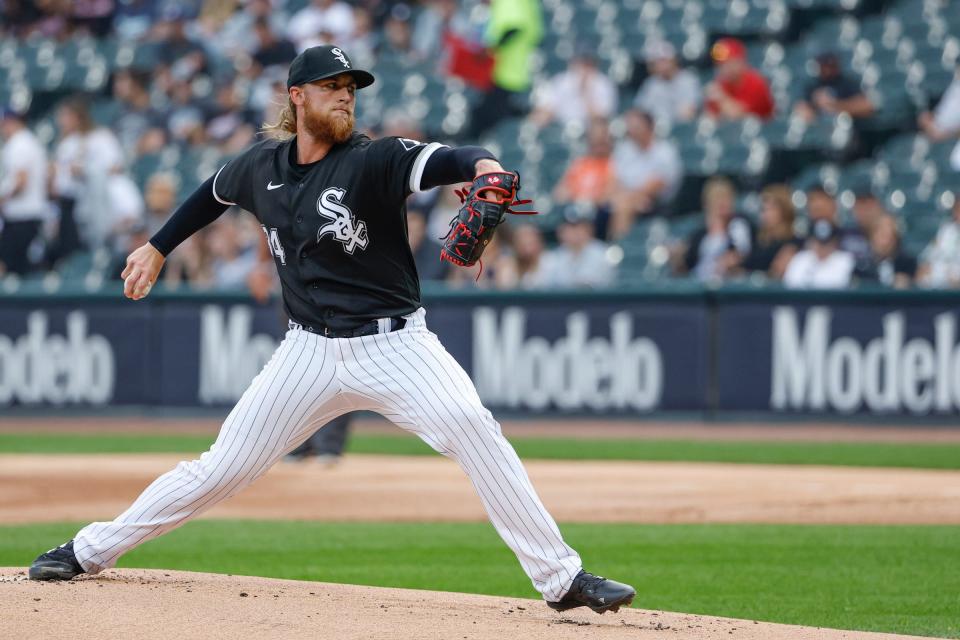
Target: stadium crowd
[219,75]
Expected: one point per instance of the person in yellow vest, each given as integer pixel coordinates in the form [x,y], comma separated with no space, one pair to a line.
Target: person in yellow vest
[513,33]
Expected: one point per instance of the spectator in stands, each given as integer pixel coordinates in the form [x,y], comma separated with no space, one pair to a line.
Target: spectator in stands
[426,250]
[16,18]
[670,94]
[823,206]
[139,126]
[940,261]
[179,55]
[23,193]
[124,209]
[271,50]
[514,30]
[717,249]
[160,198]
[738,90]
[233,36]
[647,173]
[134,19]
[184,116]
[398,36]
[365,39]
[435,20]
[230,126]
[944,122]
[580,261]
[93,16]
[890,266]
[190,263]
[868,211]
[823,264]
[86,164]
[777,242]
[330,18]
[578,95]
[589,178]
[833,92]
[232,262]
[529,254]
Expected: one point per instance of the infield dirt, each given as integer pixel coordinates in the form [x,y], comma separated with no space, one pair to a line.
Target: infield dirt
[173,604]
[421,488]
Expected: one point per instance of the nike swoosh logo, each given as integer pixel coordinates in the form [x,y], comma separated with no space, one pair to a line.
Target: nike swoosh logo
[271,186]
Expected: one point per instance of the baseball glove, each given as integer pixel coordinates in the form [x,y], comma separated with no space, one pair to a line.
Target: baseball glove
[485,204]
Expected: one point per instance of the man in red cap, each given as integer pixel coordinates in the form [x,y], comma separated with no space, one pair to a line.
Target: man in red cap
[738,90]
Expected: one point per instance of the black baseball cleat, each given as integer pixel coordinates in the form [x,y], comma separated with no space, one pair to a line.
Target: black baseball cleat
[596,592]
[57,564]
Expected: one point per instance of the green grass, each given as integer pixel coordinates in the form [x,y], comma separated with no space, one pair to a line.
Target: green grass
[881,578]
[875,454]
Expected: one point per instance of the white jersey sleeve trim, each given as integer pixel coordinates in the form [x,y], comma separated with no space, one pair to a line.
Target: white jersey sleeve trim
[215,196]
[416,173]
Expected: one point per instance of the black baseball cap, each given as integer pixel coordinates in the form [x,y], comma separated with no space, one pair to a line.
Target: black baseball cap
[325,61]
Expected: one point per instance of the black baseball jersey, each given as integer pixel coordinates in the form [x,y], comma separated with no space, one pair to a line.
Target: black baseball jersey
[336,227]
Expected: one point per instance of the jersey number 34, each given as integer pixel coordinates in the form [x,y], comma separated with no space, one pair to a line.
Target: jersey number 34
[273,241]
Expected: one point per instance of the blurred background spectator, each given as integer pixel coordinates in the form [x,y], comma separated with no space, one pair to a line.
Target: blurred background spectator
[23,193]
[940,261]
[514,30]
[738,90]
[853,239]
[426,250]
[321,22]
[670,94]
[823,264]
[718,248]
[833,92]
[889,265]
[647,173]
[578,95]
[580,260]
[528,251]
[776,242]
[589,178]
[944,122]
[88,182]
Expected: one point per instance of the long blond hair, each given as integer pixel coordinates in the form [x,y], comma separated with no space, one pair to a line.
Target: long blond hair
[779,196]
[286,124]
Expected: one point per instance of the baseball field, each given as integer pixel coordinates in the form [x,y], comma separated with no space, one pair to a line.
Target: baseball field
[729,530]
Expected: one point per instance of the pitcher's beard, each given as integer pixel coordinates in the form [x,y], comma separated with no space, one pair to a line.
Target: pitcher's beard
[328,127]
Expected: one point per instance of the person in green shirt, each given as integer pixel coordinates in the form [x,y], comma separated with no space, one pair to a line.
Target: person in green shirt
[513,33]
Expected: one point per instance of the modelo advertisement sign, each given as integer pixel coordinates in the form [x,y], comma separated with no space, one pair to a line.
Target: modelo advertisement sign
[550,357]
[538,357]
[68,356]
[839,359]
[603,359]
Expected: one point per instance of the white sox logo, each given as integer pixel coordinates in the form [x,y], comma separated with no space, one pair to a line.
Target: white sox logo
[344,229]
[338,54]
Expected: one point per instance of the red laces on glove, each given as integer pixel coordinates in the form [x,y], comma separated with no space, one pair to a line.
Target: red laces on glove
[465,192]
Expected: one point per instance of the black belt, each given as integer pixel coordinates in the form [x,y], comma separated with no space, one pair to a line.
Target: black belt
[382,325]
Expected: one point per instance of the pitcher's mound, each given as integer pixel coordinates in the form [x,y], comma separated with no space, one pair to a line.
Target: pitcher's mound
[176,605]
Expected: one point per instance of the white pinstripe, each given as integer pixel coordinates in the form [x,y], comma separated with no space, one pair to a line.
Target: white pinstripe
[405,375]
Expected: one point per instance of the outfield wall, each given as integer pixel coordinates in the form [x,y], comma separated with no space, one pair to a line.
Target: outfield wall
[622,353]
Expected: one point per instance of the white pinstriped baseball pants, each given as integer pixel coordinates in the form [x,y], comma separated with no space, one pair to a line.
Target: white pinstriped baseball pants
[408,377]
